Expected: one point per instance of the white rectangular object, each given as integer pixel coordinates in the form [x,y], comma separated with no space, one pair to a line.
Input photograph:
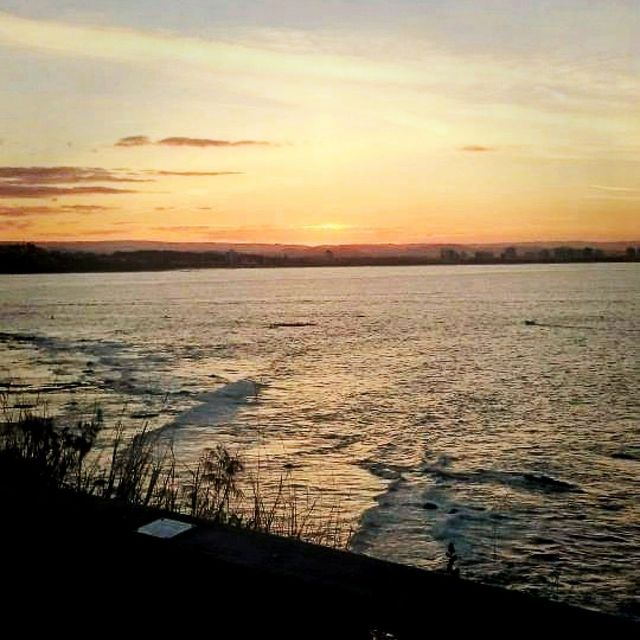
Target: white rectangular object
[165,528]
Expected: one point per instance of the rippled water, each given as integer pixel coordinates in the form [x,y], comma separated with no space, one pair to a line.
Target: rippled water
[416,396]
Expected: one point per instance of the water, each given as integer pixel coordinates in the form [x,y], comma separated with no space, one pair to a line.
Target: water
[416,397]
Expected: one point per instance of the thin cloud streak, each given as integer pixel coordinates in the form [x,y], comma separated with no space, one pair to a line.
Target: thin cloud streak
[606,188]
[178,228]
[85,208]
[19,191]
[231,58]
[614,196]
[31,211]
[133,141]
[178,141]
[183,141]
[476,148]
[62,175]
[22,212]
[315,235]
[12,225]
[195,173]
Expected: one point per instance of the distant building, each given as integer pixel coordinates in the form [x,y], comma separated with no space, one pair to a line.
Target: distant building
[483,256]
[564,254]
[449,255]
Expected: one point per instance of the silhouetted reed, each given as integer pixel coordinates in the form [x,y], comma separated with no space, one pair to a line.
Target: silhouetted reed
[142,470]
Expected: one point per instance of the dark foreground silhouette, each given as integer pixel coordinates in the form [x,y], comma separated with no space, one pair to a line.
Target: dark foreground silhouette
[77,565]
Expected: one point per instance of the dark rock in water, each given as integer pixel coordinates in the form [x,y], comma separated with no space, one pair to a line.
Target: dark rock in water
[279,325]
[623,455]
[429,505]
[141,415]
[453,510]
[548,483]
[611,506]
[542,540]
[17,337]
[545,557]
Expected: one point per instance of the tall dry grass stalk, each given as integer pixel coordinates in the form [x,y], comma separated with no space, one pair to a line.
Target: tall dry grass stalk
[142,470]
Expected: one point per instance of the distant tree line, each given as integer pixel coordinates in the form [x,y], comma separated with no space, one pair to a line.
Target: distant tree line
[29,258]
[557,254]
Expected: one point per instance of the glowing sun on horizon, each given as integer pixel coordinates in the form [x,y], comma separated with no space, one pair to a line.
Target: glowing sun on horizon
[329,226]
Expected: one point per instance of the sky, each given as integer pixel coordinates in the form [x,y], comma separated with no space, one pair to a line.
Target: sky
[320,122]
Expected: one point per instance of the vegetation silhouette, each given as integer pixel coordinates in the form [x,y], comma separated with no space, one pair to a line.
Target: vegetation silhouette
[142,471]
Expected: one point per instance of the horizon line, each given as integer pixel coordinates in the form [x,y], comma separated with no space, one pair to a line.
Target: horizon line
[322,245]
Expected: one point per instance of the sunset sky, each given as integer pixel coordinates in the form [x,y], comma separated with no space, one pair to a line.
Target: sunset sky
[320,121]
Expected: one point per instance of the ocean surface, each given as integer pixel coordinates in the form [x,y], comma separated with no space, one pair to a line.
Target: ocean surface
[414,399]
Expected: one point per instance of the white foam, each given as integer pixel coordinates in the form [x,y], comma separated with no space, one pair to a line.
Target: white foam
[219,406]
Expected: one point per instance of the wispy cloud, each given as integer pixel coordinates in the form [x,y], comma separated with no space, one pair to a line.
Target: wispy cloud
[85,208]
[534,83]
[328,226]
[42,182]
[12,225]
[614,196]
[183,141]
[476,148]
[20,191]
[195,173]
[98,232]
[62,175]
[21,212]
[133,141]
[613,193]
[129,45]
[35,211]
[310,234]
[178,141]
[609,189]
[178,228]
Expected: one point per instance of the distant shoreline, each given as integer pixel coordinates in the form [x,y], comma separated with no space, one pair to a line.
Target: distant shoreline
[31,259]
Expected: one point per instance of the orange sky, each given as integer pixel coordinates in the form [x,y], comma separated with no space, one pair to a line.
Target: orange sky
[421,122]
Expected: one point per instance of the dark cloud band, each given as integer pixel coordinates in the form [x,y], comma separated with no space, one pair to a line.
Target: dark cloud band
[20,191]
[63,175]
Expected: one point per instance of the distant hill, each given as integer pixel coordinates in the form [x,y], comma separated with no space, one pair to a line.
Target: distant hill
[421,250]
[31,258]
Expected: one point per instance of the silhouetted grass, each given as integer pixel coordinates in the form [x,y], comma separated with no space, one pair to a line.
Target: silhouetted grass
[142,470]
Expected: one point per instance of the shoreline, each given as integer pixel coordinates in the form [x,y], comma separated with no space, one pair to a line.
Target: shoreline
[32,259]
[324,266]
[65,540]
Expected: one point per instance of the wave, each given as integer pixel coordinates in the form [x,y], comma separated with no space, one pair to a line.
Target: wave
[527,480]
[631,453]
[216,407]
